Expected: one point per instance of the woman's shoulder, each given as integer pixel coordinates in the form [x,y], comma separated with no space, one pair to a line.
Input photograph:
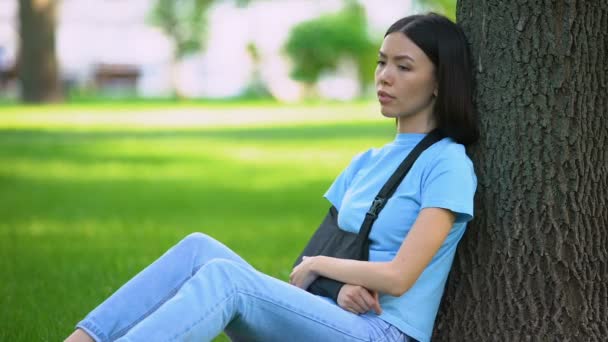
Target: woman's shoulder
[448,149]
[365,156]
[449,154]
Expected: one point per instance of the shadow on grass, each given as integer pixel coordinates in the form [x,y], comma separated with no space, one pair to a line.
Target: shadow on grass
[67,242]
[65,200]
[295,133]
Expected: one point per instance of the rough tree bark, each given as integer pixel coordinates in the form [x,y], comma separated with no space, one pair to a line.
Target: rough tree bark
[534,264]
[38,69]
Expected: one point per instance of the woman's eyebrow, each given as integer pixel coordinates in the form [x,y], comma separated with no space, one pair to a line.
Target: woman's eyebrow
[397,57]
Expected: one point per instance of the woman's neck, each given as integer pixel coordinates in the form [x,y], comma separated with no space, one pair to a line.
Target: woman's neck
[415,124]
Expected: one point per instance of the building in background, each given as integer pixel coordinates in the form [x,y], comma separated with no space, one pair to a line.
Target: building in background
[110,45]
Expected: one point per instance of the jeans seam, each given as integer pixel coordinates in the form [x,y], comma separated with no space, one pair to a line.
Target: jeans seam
[126,329]
[204,316]
[295,310]
[91,327]
[282,305]
[386,332]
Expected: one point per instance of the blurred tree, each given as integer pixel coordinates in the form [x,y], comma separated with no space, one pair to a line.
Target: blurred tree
[445,7]
[533,265]
[185,22]
[37,61]
[318,45]
[256,88]
[243,3]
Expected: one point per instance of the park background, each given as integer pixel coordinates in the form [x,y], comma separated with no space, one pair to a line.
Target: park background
[107,160]
[234,128]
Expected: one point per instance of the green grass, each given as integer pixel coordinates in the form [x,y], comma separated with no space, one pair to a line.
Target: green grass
[90,195]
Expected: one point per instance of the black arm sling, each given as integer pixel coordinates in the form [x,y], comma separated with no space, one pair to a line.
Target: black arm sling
[330,240]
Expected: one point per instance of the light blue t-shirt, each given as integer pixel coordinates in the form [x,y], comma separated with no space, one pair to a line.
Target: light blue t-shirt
[442,177]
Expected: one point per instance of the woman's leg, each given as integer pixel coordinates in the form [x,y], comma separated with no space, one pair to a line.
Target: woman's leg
[252,306]
[149,289]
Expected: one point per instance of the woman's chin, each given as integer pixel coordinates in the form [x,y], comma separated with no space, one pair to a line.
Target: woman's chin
[387,112]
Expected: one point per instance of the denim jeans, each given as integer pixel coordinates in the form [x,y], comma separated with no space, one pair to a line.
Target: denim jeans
[200,288]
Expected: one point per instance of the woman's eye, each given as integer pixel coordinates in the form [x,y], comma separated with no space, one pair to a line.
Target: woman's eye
[404,68]
[381,63]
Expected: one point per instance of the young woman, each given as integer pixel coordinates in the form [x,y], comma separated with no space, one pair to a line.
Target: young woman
[200,288]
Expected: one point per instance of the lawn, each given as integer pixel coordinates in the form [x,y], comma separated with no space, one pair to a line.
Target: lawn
[91,194]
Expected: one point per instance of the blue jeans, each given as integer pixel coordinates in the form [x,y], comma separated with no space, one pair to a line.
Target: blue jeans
[200,288]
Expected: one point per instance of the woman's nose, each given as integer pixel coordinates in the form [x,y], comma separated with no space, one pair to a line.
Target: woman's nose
[385,76]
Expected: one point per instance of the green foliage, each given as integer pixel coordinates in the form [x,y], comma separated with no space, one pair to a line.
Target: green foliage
[86,204]
[185,21]
[318,45]
[243,3]
[445,7]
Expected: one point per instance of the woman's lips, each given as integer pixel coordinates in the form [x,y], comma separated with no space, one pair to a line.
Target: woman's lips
[385,97]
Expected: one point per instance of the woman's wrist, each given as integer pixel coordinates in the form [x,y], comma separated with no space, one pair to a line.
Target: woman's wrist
[317,264]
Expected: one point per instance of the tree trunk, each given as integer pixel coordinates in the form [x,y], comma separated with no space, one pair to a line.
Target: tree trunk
[534,264]
[38,70]
[175,84]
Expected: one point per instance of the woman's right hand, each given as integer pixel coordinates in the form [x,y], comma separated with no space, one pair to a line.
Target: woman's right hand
[358,299]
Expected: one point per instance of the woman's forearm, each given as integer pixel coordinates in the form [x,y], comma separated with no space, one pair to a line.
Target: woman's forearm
[398,275]
[377,276]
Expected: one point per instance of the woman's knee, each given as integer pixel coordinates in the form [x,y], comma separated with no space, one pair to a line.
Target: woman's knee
[231,272]
[202,248]
[196,241]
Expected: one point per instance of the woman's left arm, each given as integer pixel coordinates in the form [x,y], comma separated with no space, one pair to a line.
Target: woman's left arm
[394,277]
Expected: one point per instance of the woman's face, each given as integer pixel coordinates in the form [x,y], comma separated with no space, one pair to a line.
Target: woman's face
[405,79]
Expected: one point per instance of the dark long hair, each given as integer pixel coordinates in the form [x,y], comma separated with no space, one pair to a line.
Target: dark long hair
[446,46]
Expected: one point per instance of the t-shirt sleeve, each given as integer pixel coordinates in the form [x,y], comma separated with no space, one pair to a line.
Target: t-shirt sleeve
[451,184]
[338,188]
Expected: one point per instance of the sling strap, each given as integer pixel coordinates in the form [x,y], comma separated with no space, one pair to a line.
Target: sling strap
[393,182]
